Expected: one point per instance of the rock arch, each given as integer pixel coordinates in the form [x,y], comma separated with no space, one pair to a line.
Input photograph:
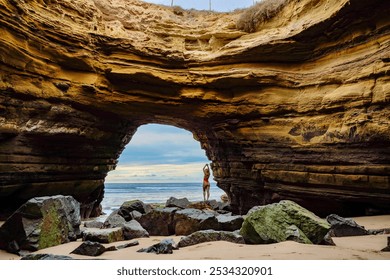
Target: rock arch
[297,110]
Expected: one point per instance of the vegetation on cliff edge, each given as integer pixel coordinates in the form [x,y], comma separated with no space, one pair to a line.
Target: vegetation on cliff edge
[253,17]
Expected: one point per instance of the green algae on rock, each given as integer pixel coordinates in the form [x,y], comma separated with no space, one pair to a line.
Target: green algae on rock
[283,221]
[40,223]
[52,230]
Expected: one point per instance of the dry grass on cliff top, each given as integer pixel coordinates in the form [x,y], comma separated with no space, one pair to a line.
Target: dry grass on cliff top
[253,17]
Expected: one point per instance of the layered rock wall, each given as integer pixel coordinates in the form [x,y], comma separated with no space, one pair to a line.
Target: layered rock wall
[297,110]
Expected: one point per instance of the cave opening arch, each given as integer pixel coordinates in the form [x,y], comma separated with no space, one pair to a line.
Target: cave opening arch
[159,162]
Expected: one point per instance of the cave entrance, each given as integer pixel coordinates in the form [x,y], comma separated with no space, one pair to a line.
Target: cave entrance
[159,162]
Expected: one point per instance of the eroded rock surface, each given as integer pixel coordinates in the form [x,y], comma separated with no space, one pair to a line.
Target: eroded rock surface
[297,110]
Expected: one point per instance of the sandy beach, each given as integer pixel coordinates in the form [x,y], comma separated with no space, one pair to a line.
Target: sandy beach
[347,248]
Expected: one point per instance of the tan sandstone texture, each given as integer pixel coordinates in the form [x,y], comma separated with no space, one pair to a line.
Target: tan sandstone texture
[298,109]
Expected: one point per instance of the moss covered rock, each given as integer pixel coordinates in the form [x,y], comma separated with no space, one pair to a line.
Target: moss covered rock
[283,221]
[107,235]
[40,223]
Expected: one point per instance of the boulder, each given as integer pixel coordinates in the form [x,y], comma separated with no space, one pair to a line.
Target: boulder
[387,248]
[177,202]
[40,223]
[187,221]
[210,235]
[128,207]
[344,227]
[89,248]
[272,223]
[103,235]
[166,246]
[114,220]
[133,229]
[93,224]
[229,222]
[159,221]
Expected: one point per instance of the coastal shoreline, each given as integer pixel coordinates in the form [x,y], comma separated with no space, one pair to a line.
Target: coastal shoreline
[347,248]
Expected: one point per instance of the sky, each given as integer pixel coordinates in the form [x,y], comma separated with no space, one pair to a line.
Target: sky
[160,153]
[216,5]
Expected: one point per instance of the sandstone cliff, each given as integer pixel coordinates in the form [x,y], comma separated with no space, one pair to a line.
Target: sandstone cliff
[297,110]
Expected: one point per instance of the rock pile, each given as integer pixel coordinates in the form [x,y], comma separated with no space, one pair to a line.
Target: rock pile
[48,221]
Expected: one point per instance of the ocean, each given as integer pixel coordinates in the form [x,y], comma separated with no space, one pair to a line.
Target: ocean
[117,193]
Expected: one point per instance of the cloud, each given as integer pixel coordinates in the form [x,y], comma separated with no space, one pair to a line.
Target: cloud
[160,153]
[190,172]
[154,144]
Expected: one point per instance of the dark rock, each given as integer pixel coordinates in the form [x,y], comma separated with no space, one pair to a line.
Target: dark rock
[187,221]
[177,202]
[114,220]
[387,248]
[13,247]
[210,235]
[127,245]
[93,224]
[111,248]
[133,205]
[40,223]
[89,248]
[36,257]
[166,246]
[272,223]
[159,221]
[344,227]
[133,229]
[103,235]
[229,222]
[328,240]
